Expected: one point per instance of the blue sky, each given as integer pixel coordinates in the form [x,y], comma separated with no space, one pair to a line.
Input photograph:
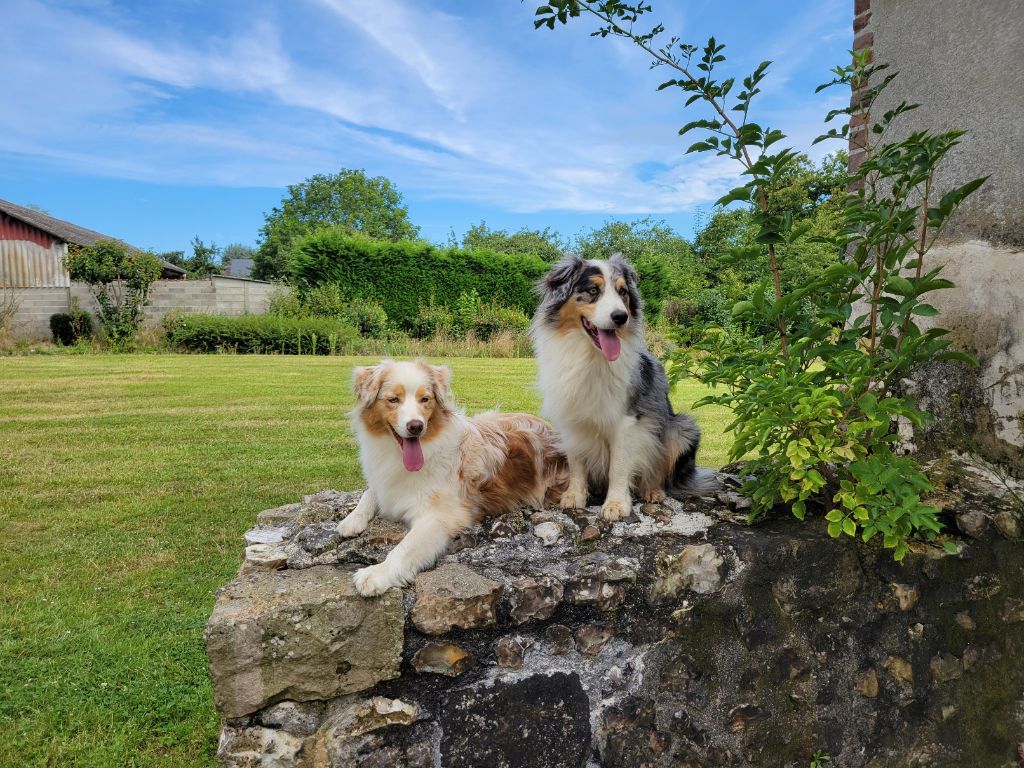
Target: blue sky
[157,121]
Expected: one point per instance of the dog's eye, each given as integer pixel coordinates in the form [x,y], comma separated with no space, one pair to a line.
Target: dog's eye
[623,291]
[593,290]
[425,399]
[394,400]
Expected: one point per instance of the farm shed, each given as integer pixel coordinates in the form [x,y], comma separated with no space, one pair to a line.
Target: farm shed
[33,245]
[32,250]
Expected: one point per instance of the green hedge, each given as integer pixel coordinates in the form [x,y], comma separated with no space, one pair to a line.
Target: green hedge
[265,334]
[401,276]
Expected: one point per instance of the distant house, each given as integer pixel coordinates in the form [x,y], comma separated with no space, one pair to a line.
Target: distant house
[238,268]
[33,245]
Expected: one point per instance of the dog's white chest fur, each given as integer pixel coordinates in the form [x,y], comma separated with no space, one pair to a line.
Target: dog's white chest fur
[401,493]
[583,392]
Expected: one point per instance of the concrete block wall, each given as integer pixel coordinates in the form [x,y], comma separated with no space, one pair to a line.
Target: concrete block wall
[217,295]
[35,305]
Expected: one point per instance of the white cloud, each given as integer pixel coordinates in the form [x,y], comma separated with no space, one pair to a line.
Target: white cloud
[446,106]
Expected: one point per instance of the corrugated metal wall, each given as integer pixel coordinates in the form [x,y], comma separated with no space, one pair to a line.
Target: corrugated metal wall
[30,258]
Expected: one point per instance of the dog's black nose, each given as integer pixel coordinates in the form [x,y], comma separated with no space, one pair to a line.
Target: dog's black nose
[619,317]
[415,427]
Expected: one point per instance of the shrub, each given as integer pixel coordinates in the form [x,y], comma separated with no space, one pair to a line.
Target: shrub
[397,274]
[9,305]
[494,319]
[68,328]
[367,316]
[119,278]
[286,303]
[432,320]
[467,309]
[711,308]
[261,334]
[325,301]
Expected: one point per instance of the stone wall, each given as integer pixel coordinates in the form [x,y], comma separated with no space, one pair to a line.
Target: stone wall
[962,64]
[217,295]
[678,637]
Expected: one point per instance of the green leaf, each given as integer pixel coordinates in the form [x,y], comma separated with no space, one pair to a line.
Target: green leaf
[849,527]
[742,308]
[900,285]
[834,516]
[956,196]
[737,194]
[925,310]
[962,357]
[834,529]
[800,509]
[709,124]
[951,547]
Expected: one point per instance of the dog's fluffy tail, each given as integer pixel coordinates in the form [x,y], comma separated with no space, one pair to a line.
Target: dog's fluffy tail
[685,479]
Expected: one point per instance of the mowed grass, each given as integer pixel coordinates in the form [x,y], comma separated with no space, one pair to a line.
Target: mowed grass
[126,483]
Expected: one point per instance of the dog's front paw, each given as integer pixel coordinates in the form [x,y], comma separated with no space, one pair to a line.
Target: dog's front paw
[351,526]
[656,496]
[615,509]
[374,580]
[572,499]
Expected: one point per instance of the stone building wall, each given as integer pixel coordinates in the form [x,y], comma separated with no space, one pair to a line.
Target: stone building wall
[964,64]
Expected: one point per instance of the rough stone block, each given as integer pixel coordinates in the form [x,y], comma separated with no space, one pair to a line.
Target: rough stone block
[299,635]
[454,595]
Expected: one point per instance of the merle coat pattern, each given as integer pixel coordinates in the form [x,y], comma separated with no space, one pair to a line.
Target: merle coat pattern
[606,393]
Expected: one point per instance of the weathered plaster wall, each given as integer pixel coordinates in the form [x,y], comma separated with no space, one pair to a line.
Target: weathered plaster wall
[964,64]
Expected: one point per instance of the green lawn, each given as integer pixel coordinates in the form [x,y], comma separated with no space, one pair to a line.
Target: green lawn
[126,483]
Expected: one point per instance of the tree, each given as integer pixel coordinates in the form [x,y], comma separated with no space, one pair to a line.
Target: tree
[545,243]
[349,200]
[727,244]
[204,259]
[664,260]
[202,263]
[119,278]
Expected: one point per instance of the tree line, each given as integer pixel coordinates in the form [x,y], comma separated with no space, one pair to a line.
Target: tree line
[699,277]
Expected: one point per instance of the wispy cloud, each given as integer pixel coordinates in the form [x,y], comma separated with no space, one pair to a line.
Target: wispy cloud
[472,107]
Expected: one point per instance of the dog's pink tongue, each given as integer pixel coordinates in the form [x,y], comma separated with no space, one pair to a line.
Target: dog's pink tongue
[610,345]
[412,454]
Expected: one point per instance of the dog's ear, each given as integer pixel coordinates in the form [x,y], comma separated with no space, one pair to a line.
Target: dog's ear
[366,382]
[619,264]
[560,281]
[441,378]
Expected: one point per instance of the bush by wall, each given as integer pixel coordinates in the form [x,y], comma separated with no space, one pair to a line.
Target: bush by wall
[327,301]
[494,319]
[398,275]
[287,303]
[70,327]
[264,334]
